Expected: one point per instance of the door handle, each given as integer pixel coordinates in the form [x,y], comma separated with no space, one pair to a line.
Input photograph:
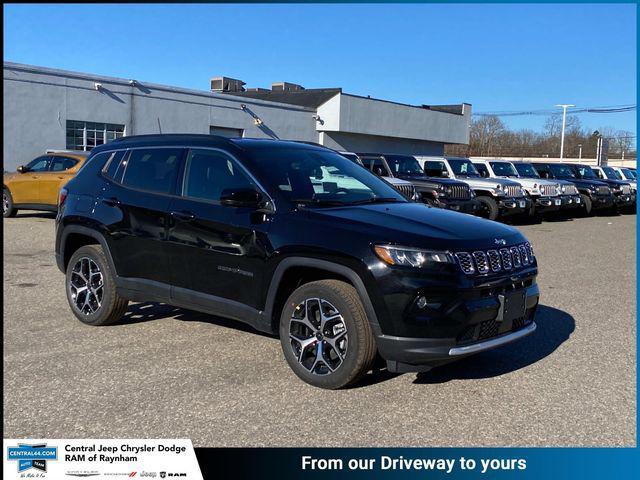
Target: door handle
[183,215]
[112,202]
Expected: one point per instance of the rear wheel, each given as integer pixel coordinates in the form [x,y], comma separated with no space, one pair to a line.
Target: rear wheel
[91,288]
[325,334]
[488,208]
[7,204]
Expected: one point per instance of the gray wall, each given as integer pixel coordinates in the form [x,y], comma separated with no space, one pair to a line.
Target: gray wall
[353,142]
[38,101]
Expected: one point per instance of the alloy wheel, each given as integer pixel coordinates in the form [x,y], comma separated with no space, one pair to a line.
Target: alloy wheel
[86,285]
[318,336]
[5,203]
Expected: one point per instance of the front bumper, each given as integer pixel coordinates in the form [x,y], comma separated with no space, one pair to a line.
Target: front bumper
[473,324]
[547,204]
[602,201]
[623,200]
[571,201]
[514,205]
[465,206]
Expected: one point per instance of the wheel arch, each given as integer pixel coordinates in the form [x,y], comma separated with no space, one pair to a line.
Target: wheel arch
[76,236]
[291,269]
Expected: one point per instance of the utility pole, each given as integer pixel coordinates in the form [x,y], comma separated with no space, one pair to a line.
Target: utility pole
[564,121]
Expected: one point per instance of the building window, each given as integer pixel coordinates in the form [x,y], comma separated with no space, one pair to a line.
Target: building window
[86,135]
[226,132]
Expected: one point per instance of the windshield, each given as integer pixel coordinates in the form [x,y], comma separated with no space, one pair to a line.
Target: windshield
[463,168]
[584,171]
[503,169]
[403,165]
[611,173]
[319,177]
[526,170]
[629,174]
[561,171]
[353,157]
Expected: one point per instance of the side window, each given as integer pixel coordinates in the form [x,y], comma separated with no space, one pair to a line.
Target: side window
[114,167]
[153,169]
[542,170]
[208,173]
[40,164]
[482,169]
[435,169]
[60,164]
[377,167]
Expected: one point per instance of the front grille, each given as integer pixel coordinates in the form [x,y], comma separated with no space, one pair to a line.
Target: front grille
[626,189]
[549,190]
[570,189]
[514,191]
[406,190]
[459,192]
[489,329]
[604,190]
[506,259]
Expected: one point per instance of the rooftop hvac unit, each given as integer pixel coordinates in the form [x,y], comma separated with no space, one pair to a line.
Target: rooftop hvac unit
[227,84]
[286,87]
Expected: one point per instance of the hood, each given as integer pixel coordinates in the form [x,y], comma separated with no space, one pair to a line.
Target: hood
[579,182]
[417,225]
[396,181]
[615,183]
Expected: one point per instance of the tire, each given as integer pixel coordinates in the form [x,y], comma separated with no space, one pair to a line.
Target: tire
[7,204]
[349,329]
[587,206]
[431,202]
[488,208]
[103,305]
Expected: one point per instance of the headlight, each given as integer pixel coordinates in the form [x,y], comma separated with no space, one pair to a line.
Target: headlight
[410,257]
[499,190]
[563,189]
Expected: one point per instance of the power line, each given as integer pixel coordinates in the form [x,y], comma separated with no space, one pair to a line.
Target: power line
[548,111]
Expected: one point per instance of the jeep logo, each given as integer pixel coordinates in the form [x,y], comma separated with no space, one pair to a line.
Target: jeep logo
[500,241]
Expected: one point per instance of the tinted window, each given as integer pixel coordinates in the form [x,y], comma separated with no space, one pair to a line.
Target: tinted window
[113,169]
[482,169]
[209,173]
[585,171]
[526,170]
[40,164]
[435,169]
[503,169]
[153,169]
[561,171]
[463,167]
[59,164]
[404,165]
[629,174]
[611,173]
[377,166]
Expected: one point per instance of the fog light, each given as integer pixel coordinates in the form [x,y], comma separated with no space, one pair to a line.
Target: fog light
[422,302]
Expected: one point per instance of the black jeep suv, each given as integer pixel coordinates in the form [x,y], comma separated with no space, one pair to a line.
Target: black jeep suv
[594,194]
[294,240]
[437,192]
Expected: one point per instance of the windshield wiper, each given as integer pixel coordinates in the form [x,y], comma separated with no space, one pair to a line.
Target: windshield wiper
[374,200]
[319,202]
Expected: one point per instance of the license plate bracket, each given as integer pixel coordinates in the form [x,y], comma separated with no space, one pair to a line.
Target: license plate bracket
[512,305]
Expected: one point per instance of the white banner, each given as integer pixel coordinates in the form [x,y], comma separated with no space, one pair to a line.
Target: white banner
[100,459]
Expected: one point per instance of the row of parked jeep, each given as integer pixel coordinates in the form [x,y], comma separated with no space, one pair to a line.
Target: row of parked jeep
[498,188]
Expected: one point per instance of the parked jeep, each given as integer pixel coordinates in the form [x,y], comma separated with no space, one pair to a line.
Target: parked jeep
[497,197]
[406,188]
[544,194]
[569,195]
[624,190]
[35,186]
[437,192]
[621,190]
[247,229]
[594,194]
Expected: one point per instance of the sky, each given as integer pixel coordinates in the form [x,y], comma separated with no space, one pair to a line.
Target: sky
[497,57]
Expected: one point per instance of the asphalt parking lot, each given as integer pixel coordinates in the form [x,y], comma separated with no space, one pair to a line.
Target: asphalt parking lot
[167,373]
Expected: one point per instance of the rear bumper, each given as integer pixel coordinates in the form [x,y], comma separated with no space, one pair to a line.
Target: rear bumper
[484,328]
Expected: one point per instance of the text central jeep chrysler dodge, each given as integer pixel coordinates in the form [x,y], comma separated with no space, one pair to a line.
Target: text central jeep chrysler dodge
[295,240]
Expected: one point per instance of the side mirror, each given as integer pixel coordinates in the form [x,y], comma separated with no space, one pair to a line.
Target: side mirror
[22,169]
[378,171]
[444,174]
[241,197]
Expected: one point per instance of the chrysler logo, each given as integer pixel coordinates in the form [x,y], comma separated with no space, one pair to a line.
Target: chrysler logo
[500,241]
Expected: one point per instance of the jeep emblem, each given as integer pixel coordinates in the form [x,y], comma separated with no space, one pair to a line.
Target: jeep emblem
[500,241]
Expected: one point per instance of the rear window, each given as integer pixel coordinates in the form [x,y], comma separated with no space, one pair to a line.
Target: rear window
[153,169]
[113,169]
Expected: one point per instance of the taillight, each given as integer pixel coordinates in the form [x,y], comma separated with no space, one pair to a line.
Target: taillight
[62,196]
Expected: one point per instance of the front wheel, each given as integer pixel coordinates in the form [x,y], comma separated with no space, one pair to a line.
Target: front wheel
[587,206]
[91,288]
[325,334]
[7,204]
[488,208]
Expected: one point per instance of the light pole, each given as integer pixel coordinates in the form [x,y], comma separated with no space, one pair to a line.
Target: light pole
[564,121]
[580,151]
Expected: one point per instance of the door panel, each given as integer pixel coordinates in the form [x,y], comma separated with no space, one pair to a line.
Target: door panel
[25,187]
[216,250]
[58,175]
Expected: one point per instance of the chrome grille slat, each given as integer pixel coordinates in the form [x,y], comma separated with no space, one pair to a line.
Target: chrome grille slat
[507,263]
[495,261]
[482,265]
[549,190]
[514,191]
[515,256]
[460,192]
[524,255]
[626,189]
[465,262]
[570,189]
[602,190]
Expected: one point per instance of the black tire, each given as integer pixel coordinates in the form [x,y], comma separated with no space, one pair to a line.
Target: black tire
[488,208]
[431,202]
[587,206]
[7,204]
[111,306]
[360,347]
